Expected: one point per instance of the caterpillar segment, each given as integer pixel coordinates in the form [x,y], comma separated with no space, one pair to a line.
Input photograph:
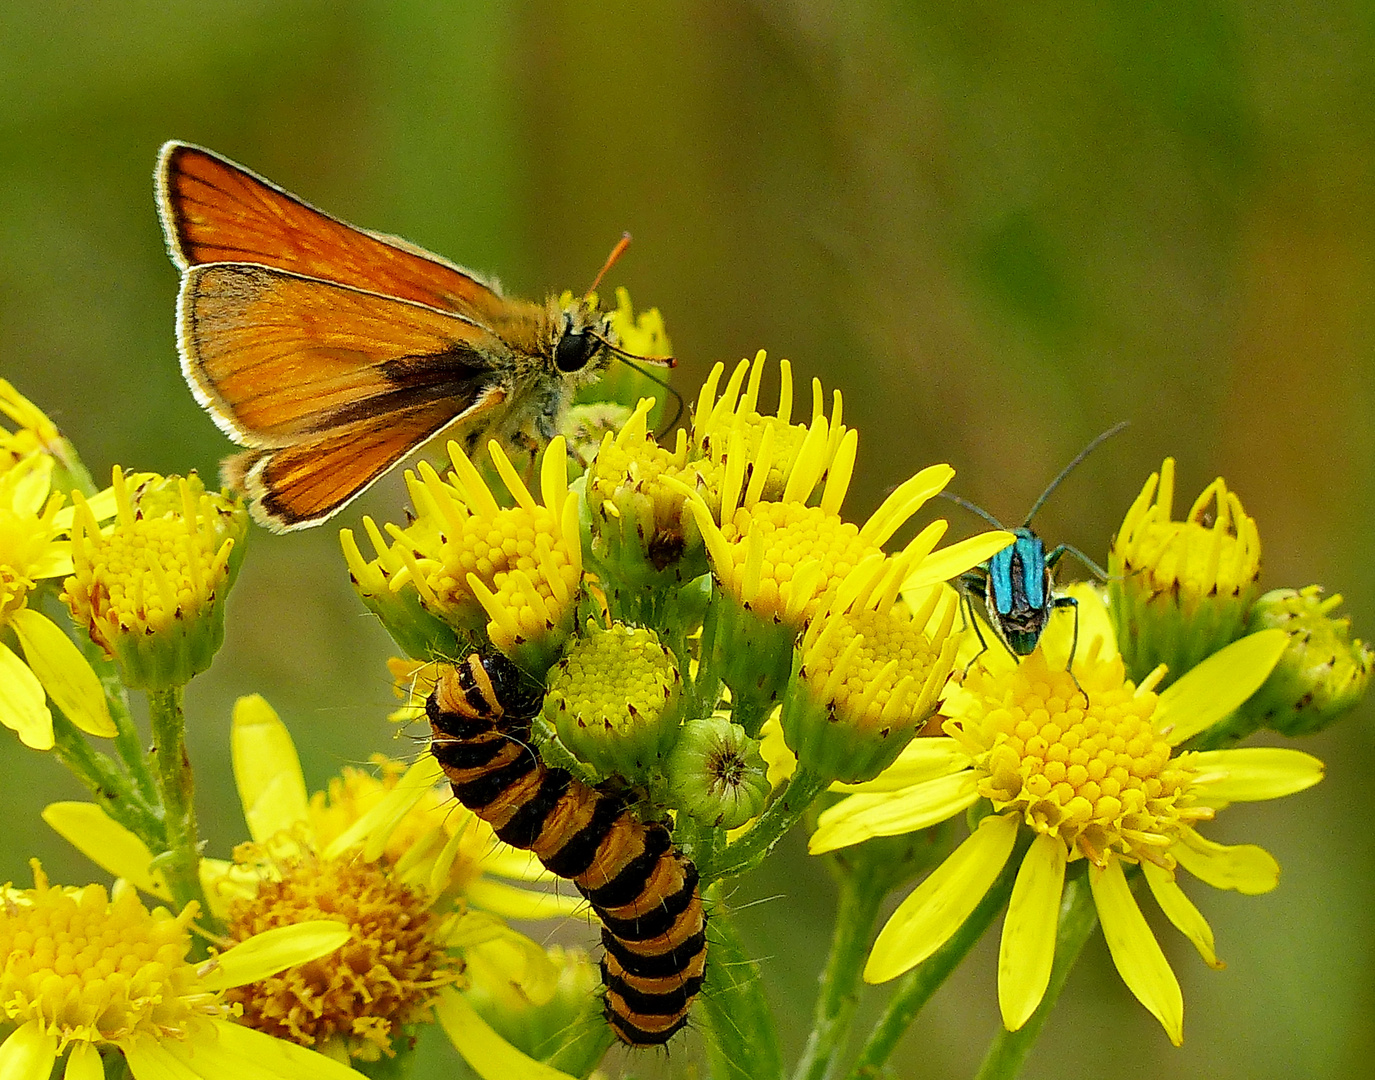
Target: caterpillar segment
[642,888]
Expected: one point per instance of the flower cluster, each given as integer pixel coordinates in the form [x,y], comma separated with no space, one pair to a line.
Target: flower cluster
[642,663]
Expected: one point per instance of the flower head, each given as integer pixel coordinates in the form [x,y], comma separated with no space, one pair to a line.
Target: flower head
[1181,589]
[510,574]
[87,971]
[615,700]
[33,549]
[1087,766]
[1322,675]
[716,773]
[32,429]
[151,590]
[868,673]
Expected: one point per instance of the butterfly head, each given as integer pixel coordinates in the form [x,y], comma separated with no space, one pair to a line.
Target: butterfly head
[582,336]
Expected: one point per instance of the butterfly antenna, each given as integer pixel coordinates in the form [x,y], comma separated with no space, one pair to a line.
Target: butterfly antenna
[973,508]
[1094,445]
[629,359]
[616,253]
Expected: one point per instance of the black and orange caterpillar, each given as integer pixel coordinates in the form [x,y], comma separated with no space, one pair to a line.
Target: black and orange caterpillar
[639,884]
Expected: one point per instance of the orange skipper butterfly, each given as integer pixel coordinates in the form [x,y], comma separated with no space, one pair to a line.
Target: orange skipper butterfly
[331,352]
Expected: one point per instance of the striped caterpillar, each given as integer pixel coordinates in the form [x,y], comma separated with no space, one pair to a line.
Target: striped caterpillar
[642,888]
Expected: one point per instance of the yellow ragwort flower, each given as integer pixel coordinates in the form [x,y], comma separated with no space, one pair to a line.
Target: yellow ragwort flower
[33,549]
[511,574]
[769,454]
[1087,766]
[151,590]
[393,857]
[1180,590]
[88,971]
[33,430]
[868,672]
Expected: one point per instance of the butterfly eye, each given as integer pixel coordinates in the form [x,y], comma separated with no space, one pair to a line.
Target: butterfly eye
[574,349]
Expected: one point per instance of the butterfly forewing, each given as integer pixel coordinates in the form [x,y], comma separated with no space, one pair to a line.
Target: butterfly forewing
[275,356]
[300,485]
[216,211]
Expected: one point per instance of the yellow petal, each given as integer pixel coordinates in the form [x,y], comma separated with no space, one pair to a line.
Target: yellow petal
[243,1052]
[66,675]
[939,905]
[861,817]
[55,560]
[1137,954]
[514,903]
[486,1052]
[23,702]
[514,863]
[1247,868]
[513,959]
[1208,692]
[31,481]
[274,950]
[376,825]
[28,1054]
[1252,773]
[1094,626]
[954,559]
[106,843]
[922,759]
[1027,949]
[83,1063]
[267,771]
[1180,910]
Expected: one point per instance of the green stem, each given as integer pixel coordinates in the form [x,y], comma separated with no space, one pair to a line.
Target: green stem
[782,814]
[112,791]
[1078,919]
[744,1042]
[180,865]
[861,895]
[916,987]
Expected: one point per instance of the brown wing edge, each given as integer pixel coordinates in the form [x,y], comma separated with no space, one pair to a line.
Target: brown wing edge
[172,232]
[243,473]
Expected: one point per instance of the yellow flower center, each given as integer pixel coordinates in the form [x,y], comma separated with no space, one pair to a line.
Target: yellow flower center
[870,666]
[88,968]
[513,547]
[626,483]
[751,428]
[386,976]
[1096,774]
[803,548]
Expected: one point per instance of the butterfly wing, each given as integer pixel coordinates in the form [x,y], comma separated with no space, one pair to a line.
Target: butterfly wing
[216,211]
[302,484]
[330,385]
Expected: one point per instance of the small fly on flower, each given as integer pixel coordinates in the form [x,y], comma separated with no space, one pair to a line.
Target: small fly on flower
[1016,585]
[331,352]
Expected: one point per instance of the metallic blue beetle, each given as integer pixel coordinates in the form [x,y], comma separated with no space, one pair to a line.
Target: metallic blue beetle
[1015,584]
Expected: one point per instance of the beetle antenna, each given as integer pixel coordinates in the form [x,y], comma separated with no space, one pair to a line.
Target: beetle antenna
[973,508]
[1094,445]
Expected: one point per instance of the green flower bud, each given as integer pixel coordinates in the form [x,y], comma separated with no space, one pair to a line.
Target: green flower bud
[614,700]
[150,590]
[1321,675]
[716,773]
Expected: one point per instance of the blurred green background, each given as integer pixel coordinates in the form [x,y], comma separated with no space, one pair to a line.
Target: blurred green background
[997,228]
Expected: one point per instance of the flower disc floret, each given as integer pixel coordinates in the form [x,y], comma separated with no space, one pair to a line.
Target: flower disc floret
[614,700]
[90,967]
[511,572]
[387,975]
[1094,773]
